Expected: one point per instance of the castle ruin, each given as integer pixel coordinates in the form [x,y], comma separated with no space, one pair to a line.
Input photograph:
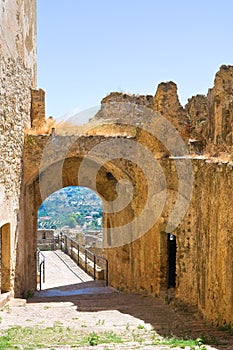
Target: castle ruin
[195,257]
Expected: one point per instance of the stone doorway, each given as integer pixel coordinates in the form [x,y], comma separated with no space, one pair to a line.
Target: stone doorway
[5,258]
[171,260]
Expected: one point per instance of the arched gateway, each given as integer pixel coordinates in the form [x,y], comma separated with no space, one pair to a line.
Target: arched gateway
[54,162]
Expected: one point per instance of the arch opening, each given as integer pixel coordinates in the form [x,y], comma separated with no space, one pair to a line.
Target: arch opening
[69,225]
[62,174]
[75,210]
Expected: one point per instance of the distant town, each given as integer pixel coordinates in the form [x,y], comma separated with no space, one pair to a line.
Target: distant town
[71,208]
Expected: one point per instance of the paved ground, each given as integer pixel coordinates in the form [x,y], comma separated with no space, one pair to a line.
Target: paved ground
[73,299]
[60,270]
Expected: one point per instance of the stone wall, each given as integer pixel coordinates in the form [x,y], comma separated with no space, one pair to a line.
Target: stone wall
[205,243]
[18,33]
[204,261]
[38,109]
[205,122]
[17,76]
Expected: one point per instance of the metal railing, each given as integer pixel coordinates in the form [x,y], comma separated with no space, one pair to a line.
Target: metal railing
[40,267]
[93,264]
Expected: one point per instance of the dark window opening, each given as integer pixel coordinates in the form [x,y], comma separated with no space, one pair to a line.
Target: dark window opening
[171,260]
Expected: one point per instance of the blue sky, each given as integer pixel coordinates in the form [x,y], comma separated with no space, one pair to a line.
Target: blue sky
[88,48]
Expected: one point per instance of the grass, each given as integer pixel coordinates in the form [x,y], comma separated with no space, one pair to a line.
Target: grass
[105,338]
[181,343]
[30,338]
[140,326]
[100,323]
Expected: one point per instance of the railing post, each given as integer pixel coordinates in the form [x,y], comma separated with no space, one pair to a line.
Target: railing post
[94,267]
[38,260]
[71,249]
[106,278]
[85,260]
[60,238]
[41,267]
[43,271]
[41,275]
[40,278]
[66,248]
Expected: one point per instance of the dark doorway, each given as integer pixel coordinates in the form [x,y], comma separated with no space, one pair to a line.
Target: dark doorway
[5,258]
[171,260]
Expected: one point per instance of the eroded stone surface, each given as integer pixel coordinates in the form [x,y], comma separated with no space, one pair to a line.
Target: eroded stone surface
[204,264]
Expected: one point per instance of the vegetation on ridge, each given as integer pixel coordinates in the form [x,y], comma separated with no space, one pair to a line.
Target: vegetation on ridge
[71,206]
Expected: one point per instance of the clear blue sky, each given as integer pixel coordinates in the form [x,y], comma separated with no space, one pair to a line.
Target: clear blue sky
[88,48]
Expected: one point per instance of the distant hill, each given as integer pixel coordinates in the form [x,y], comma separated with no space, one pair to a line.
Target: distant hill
[73,206]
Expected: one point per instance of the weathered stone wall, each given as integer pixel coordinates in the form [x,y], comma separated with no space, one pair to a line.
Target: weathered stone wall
[18,33]
[211,116]
[204,239]
[204,246]
[205,122]
[205,243]
[17,76]
[38,109]
[45,234]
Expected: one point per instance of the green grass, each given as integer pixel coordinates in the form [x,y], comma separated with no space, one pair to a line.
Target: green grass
[30,338]
[100,323]
[181,343]
[105,338]
[140,326]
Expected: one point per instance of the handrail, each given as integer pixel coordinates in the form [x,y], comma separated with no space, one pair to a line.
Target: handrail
[64,241]
[41,266]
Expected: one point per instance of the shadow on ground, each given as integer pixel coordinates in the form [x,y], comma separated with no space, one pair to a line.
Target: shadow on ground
[166,319]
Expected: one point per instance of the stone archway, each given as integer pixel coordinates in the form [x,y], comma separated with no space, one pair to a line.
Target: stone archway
[5,254]
[136,260]
[36,192]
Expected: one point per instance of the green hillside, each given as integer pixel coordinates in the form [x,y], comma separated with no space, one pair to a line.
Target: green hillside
[72,207]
